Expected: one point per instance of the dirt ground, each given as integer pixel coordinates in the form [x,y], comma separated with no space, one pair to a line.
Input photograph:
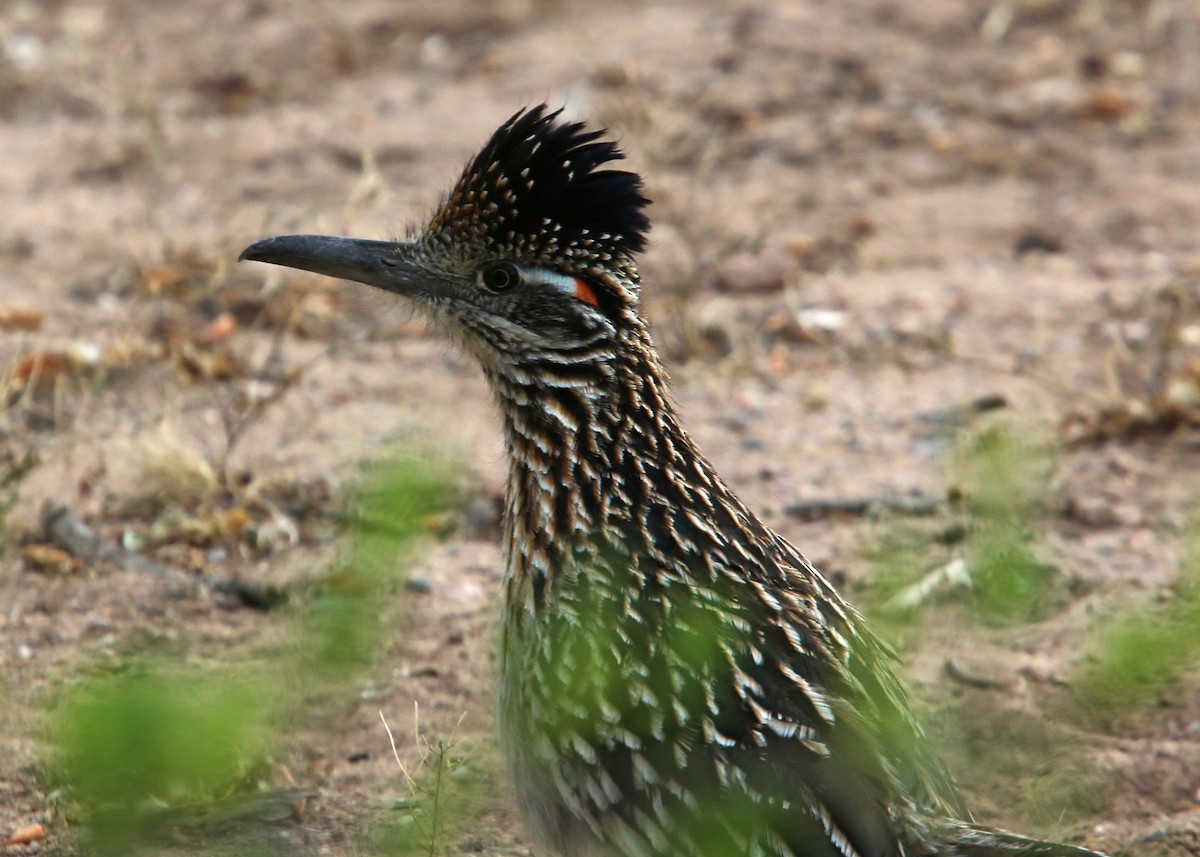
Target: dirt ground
[869,214]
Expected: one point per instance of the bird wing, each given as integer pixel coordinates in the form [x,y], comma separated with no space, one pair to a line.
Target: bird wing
[717,711]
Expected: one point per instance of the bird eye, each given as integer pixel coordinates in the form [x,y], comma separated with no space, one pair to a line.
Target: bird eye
[499,277]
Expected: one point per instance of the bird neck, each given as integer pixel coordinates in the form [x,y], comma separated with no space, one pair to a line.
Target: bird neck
[582,439]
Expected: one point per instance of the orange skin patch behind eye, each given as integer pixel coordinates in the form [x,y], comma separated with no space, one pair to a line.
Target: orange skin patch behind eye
[585,293]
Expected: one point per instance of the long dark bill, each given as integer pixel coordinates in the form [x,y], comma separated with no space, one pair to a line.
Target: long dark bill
[383,264]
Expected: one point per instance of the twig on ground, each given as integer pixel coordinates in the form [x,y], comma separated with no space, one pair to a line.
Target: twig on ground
[68,532]
[963,676]
[957,416]
[817,508]
[227,815]
[952,574]
[238,423]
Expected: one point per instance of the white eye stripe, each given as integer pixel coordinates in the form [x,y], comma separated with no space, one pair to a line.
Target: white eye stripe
[562,282]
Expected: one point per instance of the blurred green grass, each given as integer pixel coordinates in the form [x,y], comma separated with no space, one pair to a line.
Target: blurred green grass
[1002,472]
[159,735]
[160,732]
[1019,769]
[998,476]
[1142,655]
[1028,769]
[400,503]
[157,732]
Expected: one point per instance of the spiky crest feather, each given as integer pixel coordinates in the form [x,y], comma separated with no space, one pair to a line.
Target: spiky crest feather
[537,193]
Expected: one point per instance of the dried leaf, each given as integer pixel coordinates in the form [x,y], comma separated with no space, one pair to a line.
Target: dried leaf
[20,318]
[203,365]
[26,835]
[40,370]
[1109,103]
[146,469]
[234,521]
[220,329]
[49,559]
[232,92]
[42,366]
[168,280]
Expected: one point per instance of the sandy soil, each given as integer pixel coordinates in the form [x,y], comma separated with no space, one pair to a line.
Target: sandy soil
[985,199]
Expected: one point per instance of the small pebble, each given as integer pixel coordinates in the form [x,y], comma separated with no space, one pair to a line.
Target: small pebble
[482,514]
[418,583]
[752,273]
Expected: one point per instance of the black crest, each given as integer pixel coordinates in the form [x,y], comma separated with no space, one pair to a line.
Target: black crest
[536,190]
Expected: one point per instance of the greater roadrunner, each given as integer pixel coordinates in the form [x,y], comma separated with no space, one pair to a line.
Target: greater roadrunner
[675,679]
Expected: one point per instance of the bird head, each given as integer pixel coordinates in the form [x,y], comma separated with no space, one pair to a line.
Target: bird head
[531,253]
